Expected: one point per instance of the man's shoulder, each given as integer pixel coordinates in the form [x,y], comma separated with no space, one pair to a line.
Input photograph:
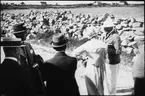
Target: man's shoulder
[62,58]
[72,58]
[9,62]
[114,36]
[27,43]
[11,65]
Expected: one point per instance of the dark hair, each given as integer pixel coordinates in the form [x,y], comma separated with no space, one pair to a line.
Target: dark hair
[22,35]
[60,48]
[11,51]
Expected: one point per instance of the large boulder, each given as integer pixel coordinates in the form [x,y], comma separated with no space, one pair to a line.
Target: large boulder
[119,27]
[125,25]
[137,24]
[132,20]
[117,21]
[139,31]
[125,35]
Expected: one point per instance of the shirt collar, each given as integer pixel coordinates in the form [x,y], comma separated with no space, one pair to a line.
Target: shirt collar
[13,58]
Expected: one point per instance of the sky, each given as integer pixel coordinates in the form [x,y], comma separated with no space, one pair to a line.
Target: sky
[64,2]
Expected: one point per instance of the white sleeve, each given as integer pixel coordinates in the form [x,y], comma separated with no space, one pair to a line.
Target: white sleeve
[78,51]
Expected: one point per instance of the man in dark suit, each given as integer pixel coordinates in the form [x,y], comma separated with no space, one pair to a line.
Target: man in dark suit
[14,80]
[59,71]
[28,58]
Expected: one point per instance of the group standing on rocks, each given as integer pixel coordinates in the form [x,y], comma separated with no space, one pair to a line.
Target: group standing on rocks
[107,37]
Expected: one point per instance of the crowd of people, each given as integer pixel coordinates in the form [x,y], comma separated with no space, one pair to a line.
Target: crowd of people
[24,73]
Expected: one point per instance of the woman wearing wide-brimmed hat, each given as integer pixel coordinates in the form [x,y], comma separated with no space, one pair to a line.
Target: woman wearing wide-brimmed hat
[113,42]
[95,51]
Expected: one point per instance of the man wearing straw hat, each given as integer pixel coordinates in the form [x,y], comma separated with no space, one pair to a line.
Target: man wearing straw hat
[59,71]
[28,58]
[14,80]
[113,42]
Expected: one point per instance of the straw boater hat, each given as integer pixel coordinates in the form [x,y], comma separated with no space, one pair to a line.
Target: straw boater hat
[58,40]
[11,42]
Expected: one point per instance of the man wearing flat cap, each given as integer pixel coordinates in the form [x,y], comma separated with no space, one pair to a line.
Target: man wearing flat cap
[14,80]
[59,71]
[28,58]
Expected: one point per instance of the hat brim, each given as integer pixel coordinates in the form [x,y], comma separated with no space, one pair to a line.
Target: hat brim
[57,45]
[15,32]
[15,46]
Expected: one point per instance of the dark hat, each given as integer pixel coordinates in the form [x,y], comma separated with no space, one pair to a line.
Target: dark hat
[11,42]
[58,40]
[18,28]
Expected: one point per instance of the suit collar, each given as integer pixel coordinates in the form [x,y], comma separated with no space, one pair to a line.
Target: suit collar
[12,58]
[60,53]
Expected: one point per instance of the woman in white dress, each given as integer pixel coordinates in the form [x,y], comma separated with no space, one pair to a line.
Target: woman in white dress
[94,73]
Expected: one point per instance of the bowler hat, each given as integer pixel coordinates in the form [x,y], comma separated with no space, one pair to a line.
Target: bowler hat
[11,42]
[19,30]
[58,40]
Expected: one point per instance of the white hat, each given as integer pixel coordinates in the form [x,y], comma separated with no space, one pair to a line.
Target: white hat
[108,23]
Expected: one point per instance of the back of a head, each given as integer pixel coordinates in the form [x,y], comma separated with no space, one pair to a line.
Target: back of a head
[11,46]
[59,42]
[10,51]
[63,48]
[20,31]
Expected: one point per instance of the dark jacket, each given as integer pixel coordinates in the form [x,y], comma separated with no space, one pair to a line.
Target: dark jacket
[28,59]
[59,72]
[14,80]
[114,48]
